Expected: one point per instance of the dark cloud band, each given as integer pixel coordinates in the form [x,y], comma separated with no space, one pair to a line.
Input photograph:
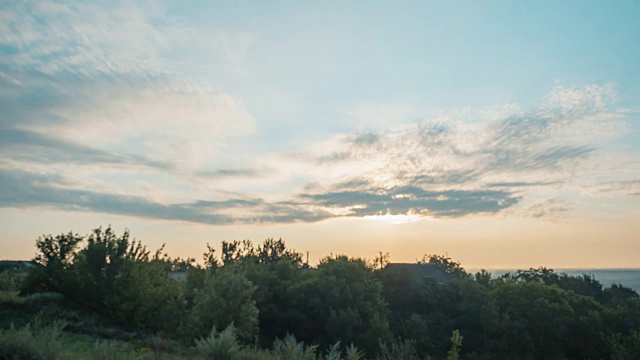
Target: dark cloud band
[23,189]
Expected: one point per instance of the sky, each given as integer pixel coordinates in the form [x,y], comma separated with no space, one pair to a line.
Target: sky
[502,134]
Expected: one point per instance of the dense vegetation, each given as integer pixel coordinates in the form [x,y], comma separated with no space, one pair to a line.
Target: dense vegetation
[106,296]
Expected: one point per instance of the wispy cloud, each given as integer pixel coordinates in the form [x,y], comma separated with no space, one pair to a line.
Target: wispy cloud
[551,146]
[547,208]
[233,173]
[433,169]
[93,89]
[522,184]
[102,75]
[629,187]
[24,145]
[87,39]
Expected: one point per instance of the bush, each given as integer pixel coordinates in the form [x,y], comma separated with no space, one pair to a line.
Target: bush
[18,344]
[334,353]
[32,342]
[9,297]
[290,349]
[161,344]
[220,345]
[226,298]
[399,350]
[43,298]
[10,280]
[353,353]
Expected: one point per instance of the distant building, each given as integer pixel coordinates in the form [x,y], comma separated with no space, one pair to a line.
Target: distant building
[7,265]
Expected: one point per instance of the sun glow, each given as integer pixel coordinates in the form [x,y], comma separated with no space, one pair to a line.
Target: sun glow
[396,219]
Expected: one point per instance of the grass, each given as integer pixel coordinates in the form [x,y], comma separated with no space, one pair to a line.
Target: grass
[33,341]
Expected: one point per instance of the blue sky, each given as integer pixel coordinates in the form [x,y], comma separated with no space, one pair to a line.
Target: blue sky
[401,124]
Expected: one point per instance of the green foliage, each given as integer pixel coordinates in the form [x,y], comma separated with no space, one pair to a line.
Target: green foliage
[540,275]
[483,277]
[58,251]
[146,298]
[220,345]
[237,252]
[32,342]
[8,297]
[55,257]
[398,350]
[110,286]
[625,347]
[100,266]
[445,264]
[353,353]
[277,274]
[427,311]
[210,258]
[456,343]
[617,295]
[343,302]
[226,298]
[108,350]
[583,285]
[41,299]
[18,344]
[334,352]
[290,349]
[533,319]
[111,275]
[380,261]
[275,250]
[11,280]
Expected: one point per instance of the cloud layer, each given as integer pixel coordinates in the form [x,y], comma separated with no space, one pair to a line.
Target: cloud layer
[433,169]
[97,118]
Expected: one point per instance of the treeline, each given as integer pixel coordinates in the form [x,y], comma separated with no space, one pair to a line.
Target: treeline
[264,296]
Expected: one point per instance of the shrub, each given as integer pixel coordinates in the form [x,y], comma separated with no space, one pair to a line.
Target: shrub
[108,350]
[399,350]
[161,344]
[290,349]
[220,345]
[43,298]
[334,353]
[353,353]
[8,297]
[18,344]
[32,342]
[456,343]
[10,280]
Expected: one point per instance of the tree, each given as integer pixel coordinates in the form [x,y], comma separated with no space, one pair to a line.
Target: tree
[113,276]
[277,297]
[483,277]
[445,264]
[380,261]
[343,302]
[531,319]
[225,299]
[237,252]
[54,259]
[98,267]
[276,250]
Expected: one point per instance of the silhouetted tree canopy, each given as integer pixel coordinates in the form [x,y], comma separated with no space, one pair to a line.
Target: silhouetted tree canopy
[265,293]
